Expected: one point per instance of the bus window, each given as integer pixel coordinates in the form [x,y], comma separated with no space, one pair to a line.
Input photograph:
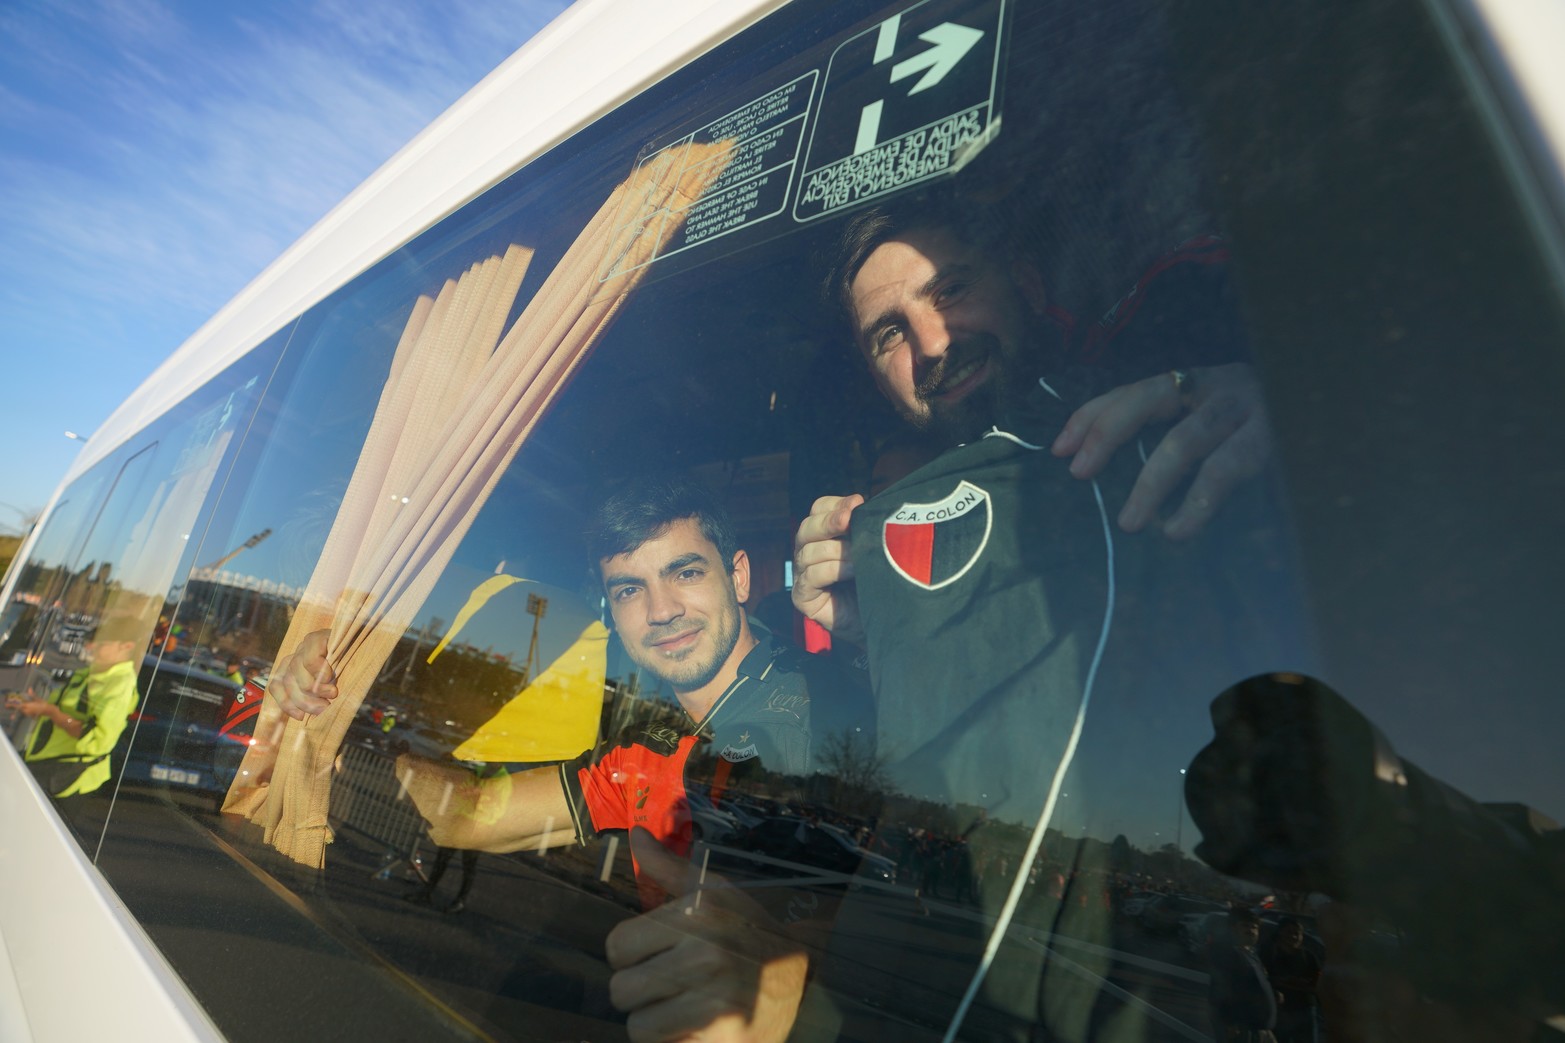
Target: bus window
[951,512]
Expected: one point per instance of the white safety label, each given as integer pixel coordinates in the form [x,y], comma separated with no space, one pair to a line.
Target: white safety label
[751,185]
[901,101]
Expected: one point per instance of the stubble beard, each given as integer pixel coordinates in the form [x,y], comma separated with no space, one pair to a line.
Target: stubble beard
[683,671]
[954,423]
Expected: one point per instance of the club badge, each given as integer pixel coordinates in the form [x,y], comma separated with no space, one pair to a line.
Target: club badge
[932,545]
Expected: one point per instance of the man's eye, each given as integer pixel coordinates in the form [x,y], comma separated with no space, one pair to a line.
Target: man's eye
[952,291]
[886,338]
[624,593]
[690,574]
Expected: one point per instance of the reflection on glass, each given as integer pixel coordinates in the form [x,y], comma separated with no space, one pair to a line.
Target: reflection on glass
[77,726]
[1042,374]
[98,620]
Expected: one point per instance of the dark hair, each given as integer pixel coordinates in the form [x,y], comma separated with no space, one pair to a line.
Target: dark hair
[867,230]
[643,508]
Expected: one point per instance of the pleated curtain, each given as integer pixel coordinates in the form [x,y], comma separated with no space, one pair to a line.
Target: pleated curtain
[459,402]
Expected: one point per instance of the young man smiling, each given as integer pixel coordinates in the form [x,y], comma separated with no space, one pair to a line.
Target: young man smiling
[675,580]
[744,707]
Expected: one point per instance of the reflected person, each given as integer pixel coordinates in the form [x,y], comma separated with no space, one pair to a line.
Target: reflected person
[1243,1001]
[77,726]
[665,557]
[1295,973]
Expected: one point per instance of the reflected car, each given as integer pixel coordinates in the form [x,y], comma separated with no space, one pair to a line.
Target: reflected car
[1199,932]
[816,846]
[1163,914]
[174,741]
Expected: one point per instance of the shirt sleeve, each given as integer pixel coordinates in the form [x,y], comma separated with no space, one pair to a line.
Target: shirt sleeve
[109,709]
[595,799]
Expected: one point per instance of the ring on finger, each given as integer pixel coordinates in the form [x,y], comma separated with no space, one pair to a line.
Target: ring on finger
[1184,386]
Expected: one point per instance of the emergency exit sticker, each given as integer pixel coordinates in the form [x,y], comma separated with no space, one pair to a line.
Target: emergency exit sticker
[750,184]
[900,103]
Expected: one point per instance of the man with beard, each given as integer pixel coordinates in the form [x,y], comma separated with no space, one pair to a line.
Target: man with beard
[675,580]
[1016,579]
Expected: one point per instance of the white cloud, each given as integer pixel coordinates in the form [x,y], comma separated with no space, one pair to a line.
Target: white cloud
[159,155]
[209,156]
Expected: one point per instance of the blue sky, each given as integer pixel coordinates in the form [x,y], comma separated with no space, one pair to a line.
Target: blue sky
[157,155]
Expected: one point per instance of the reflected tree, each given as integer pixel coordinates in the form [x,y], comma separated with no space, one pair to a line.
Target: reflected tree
[858,771]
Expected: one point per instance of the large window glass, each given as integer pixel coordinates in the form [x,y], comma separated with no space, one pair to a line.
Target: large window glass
[960,519]
[86,714]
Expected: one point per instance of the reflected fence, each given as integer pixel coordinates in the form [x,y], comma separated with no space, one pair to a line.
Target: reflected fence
[369,799]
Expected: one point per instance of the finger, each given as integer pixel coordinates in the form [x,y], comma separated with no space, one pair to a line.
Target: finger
[323,683]
[298,701]
[1190,441]
[828,572]
[1237,460]
[638,941]
[821,585]
[1074,432]
[842,517]
[828,519]
[686,980]
[822,552]
[1121,416]
[696,1019]
[635,940]
[313,647]
[658,864]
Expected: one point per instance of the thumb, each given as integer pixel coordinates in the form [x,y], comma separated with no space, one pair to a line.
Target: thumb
[661,866]
[842,518]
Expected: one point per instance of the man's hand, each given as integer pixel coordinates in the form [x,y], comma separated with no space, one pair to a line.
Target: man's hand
[708,962]
[303,682]
[823,568]
[1225,437]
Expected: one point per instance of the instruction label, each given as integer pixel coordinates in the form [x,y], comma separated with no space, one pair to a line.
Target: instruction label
[750,184]
[901,102]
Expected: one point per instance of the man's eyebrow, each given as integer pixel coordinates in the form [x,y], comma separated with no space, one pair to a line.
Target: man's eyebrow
[619,579]
[962,268]
[684,561]
[893,314]
[888,317]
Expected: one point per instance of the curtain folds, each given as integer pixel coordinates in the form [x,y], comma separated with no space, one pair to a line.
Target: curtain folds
[459,402]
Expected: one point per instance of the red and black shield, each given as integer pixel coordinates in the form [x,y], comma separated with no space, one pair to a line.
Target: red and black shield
[933,544]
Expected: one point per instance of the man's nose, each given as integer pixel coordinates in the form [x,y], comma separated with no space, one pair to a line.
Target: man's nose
[663,606]
[929,334]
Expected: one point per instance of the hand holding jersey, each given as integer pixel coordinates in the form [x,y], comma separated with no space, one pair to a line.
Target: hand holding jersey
[823,568]
[1221,433]
[997,601]
[950,337]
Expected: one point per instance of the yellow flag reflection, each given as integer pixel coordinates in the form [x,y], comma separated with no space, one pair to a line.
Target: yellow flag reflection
[556,716]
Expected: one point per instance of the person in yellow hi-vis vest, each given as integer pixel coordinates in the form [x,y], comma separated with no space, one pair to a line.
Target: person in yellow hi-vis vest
[77,726]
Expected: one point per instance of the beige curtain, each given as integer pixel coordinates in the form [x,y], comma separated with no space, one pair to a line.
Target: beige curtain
[455,409]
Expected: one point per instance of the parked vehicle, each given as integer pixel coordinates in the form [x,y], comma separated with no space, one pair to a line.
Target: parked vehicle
[1163,914]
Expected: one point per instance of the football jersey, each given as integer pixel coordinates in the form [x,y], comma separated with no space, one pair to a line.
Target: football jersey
[998,594]
[758,738]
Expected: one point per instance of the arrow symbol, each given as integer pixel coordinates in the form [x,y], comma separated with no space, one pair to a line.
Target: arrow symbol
[949,44]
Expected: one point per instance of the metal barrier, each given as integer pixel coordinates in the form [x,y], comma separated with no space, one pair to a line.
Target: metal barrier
[368,798]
